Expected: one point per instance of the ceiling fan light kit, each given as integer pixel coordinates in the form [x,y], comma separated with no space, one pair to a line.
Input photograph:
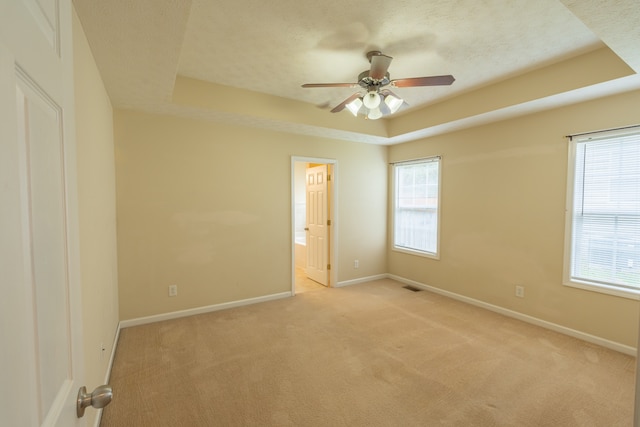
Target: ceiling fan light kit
[379,101]
[375,109]
[371,100]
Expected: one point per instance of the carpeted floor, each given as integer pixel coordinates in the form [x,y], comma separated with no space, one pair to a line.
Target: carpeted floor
[373,354]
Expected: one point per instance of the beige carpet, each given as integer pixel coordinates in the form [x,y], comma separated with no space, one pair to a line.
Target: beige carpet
[374,354]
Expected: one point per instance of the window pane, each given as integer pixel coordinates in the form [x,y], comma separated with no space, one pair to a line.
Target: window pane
[606,212]
[416,206]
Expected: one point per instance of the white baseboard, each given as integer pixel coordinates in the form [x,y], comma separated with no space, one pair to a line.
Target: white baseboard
[200,310]
[107,375]
[497,309]
[361,280]
[113,354]
[524,317]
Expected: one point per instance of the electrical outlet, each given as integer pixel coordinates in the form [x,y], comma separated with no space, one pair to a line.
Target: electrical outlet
[356,263]
[520,291]
[173,290]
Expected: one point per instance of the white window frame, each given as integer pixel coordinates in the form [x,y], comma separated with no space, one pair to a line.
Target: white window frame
[568,280]
[433,255]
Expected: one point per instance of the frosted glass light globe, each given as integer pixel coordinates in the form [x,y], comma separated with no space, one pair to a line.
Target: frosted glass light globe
[374,114]
[371,100]
[393,103]
[354,106]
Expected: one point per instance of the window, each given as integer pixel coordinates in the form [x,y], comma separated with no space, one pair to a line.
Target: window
[603,214]
[416,206]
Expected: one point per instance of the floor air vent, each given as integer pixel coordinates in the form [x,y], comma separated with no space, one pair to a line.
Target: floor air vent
[412,289]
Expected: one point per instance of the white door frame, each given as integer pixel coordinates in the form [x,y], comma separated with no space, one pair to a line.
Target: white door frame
[333,215]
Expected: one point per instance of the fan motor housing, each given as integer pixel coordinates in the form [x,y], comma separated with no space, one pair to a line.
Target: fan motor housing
[368,83]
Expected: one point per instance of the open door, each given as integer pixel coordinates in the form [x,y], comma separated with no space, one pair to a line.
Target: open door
[317,224]
[40,309]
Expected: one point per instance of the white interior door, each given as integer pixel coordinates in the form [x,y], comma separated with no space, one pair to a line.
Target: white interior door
[317,224]
[40,330]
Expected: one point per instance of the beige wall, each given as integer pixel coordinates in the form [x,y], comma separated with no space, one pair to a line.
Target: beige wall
[207,207]
[503,217]
[96,204]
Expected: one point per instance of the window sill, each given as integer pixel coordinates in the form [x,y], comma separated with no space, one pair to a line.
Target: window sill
[604,289]
[416,253]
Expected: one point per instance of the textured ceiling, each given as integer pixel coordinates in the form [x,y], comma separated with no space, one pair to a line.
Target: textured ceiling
[141,47]
[280,45]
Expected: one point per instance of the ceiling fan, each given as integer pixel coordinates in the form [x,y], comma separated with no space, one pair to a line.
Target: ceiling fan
[378,99]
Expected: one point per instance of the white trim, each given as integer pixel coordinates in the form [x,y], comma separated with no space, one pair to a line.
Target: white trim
[107,375]
[432,255]
[523,317]
[617,291]
[567,280]
[361,280]
[568,213]
[416,252]
[293,225]
[113,353]
[201,310]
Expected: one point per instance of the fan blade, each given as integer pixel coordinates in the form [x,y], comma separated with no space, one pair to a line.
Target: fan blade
[341,106]
[379,65]
[424,81]
[386,92]
[330,85]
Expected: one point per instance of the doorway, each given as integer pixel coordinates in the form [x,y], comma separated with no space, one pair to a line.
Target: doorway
[313,207]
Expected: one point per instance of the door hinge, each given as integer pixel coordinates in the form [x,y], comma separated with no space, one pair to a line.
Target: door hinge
[328,266]
[328,177]
[328,222]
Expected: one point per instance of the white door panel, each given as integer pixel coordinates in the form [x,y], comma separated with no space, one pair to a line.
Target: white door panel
[40,312]
[17,355]
[317,216]
[44,14]
[42,182]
